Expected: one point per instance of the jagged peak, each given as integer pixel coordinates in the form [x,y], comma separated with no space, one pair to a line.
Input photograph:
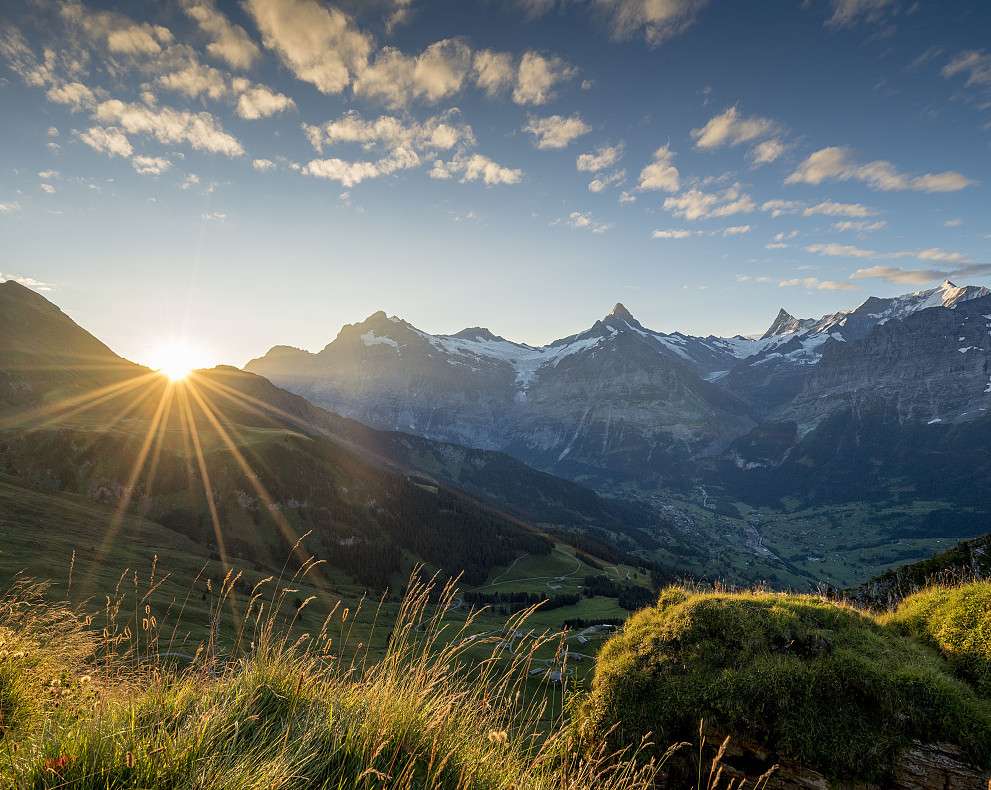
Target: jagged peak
[476,333]
[783,322]
[620,312]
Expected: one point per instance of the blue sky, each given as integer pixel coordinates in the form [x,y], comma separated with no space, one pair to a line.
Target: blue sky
[249,173]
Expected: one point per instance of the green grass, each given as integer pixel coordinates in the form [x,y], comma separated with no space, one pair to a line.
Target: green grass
[277,712]
[822,683]
[957,622]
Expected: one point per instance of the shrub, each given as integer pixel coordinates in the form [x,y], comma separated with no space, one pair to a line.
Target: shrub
[956,621]
[818,682]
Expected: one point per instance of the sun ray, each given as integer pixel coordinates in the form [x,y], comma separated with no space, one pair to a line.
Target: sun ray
[288,533]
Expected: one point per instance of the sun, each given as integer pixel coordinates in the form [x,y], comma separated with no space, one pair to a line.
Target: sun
[176,359]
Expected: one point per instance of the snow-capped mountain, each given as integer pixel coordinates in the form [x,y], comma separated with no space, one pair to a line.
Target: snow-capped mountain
[621,401]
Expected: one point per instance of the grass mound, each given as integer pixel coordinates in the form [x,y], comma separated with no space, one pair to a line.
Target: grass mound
[279,713]
[821,683]
[955,620]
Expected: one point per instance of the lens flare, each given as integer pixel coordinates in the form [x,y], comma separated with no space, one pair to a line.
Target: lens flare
[177,359]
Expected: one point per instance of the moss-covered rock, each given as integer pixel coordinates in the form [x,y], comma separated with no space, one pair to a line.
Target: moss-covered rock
[956,621]
[824,684]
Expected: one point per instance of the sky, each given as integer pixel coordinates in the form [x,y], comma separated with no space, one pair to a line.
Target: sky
[235,175]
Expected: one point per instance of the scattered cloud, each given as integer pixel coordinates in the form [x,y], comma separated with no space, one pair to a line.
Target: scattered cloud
[556,131]
[48,189]
[851,251]
[815,284]
[150,165]
[847,13]
[838,164]
[439,132]
[116,32]
[696,204]
[259,101]
[731,128]
[830,208]
[200,130]
[766,152]
[196,79]
[625,198]
[9,208]
[581,220]
[679,233]
[396,79]
[603,181]
[262,165]
[228,42]
[107,140]
[779,208]
[74,94]
[191,180]
[319,44]
[656,20]
[348,174]
[661,174]
[953,223]
[736,230]
[975,64]
[899,276]
[860,226]
[537,77]
[214,216]
[600,159]
[493,71]
[752,278]
[476,167]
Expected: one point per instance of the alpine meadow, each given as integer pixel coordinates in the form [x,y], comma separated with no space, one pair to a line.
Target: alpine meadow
[495,395]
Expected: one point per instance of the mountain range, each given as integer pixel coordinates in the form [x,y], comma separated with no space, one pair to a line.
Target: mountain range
[621,403]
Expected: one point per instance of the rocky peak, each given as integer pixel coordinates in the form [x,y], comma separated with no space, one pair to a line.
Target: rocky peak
[620,312]
[477,333]
[785,323]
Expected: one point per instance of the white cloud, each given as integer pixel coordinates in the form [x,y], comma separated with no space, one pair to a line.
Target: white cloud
[48,175]
[150,165]
[815,284]
[850,251]
[849,12]
[731,128]
[894,274]
[117,32]
[9,208]
[661,174]
[190,181]
[476,167]
[196,79]
[837,163]
[751,278]
[348,174]
[977,66]
[625,198]
[228,42]
[779,208]
[696,204]
[74,94]
[107,140]
[679,233]
[537,76]
[319,44]
[766,152]
[860,226]
[436,73]
[656,20]
[830,208]
[556,131]
[262,165]
[953,223]
[439,132]
[493,71]
[200,130]
[600,159]
[48,189]
[214,216]
[581,220]
[52,132]
[736,230]
[606,180]
[259,101]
